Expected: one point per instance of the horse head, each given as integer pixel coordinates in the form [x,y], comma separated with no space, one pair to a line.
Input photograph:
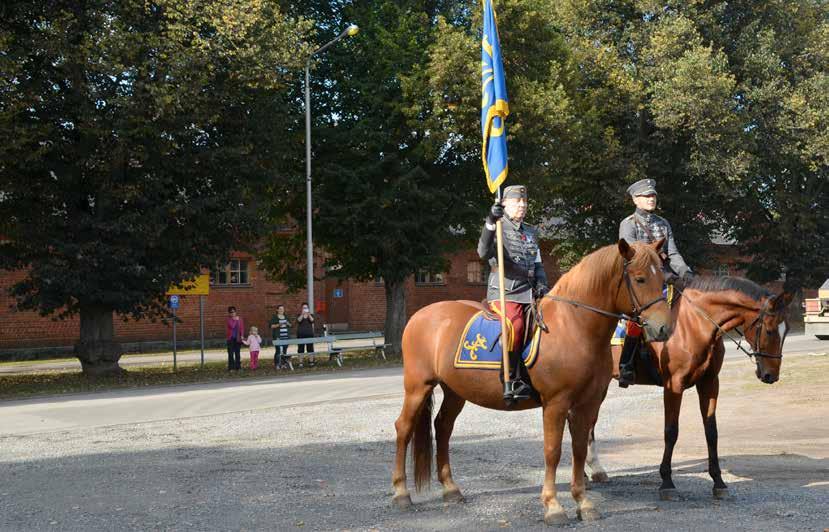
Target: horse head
[643,276]
[766,334]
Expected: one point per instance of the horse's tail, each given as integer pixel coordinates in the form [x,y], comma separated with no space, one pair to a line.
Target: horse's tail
[422,445]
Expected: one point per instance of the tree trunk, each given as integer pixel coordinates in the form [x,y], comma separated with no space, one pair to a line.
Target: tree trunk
[395,316]
[96,349]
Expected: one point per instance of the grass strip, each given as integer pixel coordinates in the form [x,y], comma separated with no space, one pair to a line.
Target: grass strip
[58,382]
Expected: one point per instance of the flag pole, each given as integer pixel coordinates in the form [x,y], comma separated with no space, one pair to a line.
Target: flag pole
[505,349]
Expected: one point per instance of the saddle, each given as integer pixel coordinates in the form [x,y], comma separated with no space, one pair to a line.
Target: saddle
[479,346]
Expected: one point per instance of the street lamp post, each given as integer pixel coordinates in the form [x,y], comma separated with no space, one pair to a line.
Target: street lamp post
[350,31]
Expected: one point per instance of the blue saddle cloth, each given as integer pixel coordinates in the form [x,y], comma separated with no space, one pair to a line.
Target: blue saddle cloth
[480,345]
[620,332]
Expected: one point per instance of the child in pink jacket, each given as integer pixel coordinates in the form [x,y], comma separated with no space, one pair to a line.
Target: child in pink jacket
[254,341]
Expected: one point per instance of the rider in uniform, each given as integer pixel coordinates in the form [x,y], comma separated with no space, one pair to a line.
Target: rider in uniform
[524,274]
[645,226]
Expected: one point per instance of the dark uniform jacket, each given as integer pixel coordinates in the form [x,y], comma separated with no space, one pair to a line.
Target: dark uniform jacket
[642,226]
[522,257]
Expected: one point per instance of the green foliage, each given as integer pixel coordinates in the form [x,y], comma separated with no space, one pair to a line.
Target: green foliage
[136,138]
[384,200]
[724,103]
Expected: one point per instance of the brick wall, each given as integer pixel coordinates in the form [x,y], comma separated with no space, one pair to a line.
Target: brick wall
[28,329]
[256,302]
[368,300]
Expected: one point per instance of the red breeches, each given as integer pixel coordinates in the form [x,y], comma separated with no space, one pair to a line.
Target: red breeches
[515,314]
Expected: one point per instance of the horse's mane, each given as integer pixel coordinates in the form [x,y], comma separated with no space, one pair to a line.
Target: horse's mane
[725,282]
[593,272]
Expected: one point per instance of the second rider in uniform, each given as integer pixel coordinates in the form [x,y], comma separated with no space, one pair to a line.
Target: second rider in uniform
[646,227]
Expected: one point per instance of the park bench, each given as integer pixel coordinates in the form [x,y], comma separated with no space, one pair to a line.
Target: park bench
[334,352]
[377,344]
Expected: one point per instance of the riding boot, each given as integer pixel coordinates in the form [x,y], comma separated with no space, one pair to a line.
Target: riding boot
[627,375]
[516,389]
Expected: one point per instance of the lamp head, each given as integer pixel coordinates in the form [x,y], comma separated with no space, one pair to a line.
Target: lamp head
[352,30]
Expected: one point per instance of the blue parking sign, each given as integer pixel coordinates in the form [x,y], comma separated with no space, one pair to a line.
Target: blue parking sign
[174,301]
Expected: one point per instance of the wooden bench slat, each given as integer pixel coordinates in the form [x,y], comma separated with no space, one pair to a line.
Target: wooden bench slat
[335,353]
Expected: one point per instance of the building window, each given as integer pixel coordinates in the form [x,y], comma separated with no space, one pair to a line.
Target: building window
[234,273]
[476,272]
[722,270]
[424,277]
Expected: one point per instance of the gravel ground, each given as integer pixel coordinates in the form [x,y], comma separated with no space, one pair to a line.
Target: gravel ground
[327,467]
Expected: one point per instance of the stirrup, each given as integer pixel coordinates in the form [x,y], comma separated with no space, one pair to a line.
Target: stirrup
[516,390]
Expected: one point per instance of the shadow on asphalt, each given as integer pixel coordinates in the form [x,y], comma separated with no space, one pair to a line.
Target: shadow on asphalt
[251,485]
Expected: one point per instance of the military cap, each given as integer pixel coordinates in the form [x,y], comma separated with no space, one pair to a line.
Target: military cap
[515,191]
[643,187]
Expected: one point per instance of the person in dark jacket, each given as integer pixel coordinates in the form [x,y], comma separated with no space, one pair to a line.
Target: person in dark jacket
[524,275]
[235,332]
[305,329]
[280,330]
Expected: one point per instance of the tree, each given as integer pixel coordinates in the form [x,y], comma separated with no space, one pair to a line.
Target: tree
[134,139]
[724,103]
[385,204]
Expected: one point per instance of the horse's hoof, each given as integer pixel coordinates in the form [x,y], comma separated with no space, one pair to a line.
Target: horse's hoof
[721,493]
[453,496]
[600,477]
[555,518]
[402,501]
[588,514]
[668,494]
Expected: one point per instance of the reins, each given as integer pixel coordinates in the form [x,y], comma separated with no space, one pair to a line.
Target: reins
[619,316]
[637,308]
[723,332]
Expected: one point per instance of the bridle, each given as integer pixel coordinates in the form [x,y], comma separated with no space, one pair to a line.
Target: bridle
[637,307]
[763,311]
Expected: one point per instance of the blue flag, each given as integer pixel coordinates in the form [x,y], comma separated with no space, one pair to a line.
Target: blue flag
[494,103]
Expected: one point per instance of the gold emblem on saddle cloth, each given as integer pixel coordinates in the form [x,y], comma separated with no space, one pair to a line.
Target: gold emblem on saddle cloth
[473,354]
[472,348]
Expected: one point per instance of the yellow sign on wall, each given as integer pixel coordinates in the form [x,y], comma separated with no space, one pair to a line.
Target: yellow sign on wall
[200,286]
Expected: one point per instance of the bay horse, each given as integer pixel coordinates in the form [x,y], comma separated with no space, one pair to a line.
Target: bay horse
[571,373]
[706,310]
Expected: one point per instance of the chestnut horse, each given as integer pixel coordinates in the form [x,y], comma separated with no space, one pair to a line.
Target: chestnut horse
[571,373]
[707,309]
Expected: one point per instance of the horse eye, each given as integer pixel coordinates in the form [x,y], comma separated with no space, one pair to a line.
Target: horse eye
[640,280]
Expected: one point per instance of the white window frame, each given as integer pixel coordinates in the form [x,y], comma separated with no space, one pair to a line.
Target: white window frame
[231,274]
[482,272]
[424,278]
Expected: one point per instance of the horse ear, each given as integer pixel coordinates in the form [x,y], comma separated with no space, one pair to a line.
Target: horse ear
[659,244]
[625,250]
[781,301]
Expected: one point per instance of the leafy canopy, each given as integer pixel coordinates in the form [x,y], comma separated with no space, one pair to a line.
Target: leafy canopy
[135,139]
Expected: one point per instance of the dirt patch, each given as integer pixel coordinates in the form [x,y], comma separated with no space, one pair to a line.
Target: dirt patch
[776,431]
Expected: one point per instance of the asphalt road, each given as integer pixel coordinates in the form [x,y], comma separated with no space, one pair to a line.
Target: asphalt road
[313,452]
[165,403]
[796,343]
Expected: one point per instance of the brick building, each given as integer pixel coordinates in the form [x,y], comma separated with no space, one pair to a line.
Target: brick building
[344,304]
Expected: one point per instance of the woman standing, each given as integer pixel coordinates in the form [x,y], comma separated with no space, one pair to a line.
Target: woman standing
[305,329]
[235,333]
